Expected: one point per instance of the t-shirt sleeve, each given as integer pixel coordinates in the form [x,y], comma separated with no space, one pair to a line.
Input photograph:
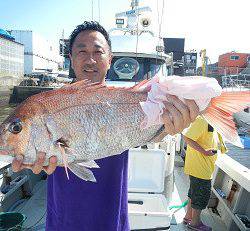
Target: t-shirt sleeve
[196,129]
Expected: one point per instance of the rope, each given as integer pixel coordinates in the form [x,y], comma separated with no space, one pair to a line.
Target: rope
[137,37]
[159,19]
[92,10]
[99,11]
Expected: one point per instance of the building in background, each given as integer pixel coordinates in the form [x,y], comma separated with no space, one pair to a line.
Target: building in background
[234,69]
[39,53]
[11,60]
[212,70]
[64,51]
[233,63]
[190,63]
[176,47]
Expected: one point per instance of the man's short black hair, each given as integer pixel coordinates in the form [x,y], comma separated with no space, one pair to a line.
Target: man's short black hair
[88,25]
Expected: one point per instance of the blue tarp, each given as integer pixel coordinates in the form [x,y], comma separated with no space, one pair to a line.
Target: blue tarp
[6,34]
[245,140]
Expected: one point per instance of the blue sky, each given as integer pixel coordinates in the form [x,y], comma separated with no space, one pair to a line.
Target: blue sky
[50,17]
[217,25]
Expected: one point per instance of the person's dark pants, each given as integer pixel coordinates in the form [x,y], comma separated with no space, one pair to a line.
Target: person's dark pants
[199,192]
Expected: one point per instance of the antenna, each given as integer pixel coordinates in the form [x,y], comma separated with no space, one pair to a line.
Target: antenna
[63,42]
[99,10]
[134,3]
[63,34]
[92,10]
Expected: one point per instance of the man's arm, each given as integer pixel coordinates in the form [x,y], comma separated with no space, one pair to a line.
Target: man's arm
[197,147]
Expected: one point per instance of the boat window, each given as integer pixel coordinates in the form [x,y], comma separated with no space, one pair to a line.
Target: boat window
[234,57]
[155,68]
[126,68]
[134,69]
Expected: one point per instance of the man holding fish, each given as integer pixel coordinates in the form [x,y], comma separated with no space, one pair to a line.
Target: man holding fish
[75,204]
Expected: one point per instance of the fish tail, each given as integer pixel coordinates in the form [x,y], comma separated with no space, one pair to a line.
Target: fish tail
[220,113]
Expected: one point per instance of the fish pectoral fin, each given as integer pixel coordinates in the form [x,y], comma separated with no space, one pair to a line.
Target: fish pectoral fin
[82,172]
[89,164]
[55,131]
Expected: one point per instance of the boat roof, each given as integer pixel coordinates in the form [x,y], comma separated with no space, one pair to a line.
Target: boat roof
[143,45]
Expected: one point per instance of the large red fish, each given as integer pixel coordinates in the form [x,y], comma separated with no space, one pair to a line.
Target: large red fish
[84,122]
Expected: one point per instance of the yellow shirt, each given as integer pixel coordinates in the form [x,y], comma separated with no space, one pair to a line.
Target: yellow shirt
[196,163]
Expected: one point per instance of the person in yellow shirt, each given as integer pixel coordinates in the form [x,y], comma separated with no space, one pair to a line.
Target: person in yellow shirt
[203,142]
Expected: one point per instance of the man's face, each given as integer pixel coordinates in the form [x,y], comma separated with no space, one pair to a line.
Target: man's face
[91,56]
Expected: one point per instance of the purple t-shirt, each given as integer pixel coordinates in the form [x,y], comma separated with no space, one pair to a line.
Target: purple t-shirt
[77,205]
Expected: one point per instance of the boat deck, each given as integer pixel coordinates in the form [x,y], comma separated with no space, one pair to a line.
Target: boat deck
[36,216]
[240,155]
[35,207]
[181,186]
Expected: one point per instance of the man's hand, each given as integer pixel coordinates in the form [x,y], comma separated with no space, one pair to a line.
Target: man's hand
[178,115]
[198,147]
[37,167]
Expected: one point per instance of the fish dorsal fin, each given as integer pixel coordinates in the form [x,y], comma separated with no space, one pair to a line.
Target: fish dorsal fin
[84,93]
[82,87]
[142,86]
[81,83]
[85,85]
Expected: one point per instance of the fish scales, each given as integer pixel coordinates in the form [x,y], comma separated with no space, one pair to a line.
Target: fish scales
[84,122]
[102,129]
[91,122]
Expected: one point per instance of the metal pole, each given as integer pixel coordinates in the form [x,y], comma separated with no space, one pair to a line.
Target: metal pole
[134,3]
[99,10]
[172,64]
[92,10]
[206,62]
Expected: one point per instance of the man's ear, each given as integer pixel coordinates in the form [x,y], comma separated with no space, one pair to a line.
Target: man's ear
[110,58]
[71,60]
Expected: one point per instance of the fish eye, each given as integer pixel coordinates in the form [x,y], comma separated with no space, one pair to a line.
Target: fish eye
[15,127]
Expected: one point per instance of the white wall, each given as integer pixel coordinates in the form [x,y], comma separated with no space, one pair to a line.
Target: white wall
[11,62]
[40,63]
[24,37]
[39,52]
[28,63]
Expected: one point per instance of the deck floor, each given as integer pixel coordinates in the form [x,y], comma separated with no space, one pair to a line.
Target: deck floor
[180,195]
[35,208]
[239,154]
[36,217]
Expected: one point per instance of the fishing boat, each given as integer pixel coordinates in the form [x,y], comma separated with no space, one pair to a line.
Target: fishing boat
[38,82]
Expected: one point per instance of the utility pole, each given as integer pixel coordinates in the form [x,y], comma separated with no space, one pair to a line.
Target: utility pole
[134,3]
[92,10]
[204,59]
